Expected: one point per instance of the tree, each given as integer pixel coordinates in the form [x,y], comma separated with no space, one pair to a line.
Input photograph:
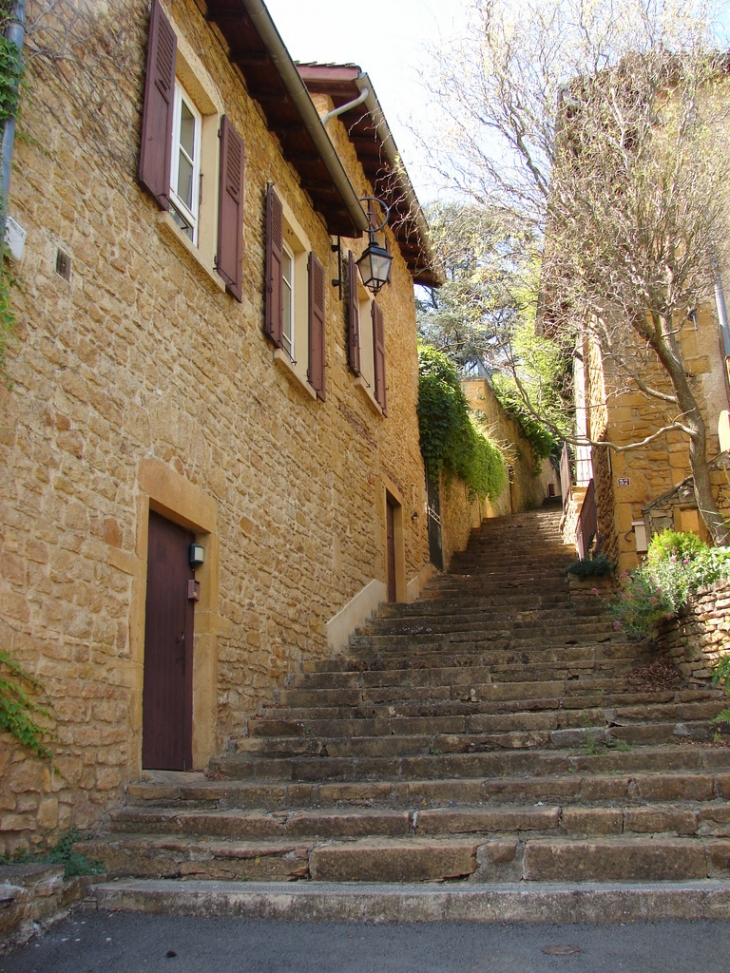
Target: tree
[602,128]
[482,318]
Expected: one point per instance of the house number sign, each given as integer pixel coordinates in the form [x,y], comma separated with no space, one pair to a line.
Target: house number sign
[624,481]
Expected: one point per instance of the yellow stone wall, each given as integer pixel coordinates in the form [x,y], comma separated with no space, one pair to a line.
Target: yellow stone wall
[141,385]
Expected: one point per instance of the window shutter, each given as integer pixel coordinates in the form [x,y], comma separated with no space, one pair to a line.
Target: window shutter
[379,346]
[315,373]
[159,97]
[353,318]
[273,296]
[230,210]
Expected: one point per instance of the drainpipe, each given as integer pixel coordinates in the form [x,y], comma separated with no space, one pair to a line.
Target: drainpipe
[15,33]
[305,106]
[724,327]
[343,108]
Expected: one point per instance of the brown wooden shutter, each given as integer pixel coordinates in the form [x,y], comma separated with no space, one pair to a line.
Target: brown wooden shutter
[379,346]
[274,296]
[230,210]
[315,373]
[353,317]
[159,99]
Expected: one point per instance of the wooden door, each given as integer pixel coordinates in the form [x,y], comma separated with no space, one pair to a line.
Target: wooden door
[167,698]
[390,530]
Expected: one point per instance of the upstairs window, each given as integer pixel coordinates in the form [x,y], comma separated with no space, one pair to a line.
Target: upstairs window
[185,169]
[187,143]
[294,298]
[366,338]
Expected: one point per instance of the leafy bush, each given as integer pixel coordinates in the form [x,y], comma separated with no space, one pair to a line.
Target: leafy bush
[677,564]
[450,440]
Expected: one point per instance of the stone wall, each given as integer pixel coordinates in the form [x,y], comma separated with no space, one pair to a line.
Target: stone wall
[701,635]
[139,384]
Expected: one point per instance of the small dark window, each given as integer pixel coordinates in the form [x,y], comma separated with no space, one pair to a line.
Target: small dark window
[63,264]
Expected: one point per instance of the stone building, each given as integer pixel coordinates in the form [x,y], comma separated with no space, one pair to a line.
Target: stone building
[210,468]
[618,499]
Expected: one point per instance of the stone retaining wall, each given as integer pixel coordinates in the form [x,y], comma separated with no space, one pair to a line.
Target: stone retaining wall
[701,635]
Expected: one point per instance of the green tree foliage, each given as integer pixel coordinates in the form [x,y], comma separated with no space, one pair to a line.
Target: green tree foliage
[483,319]
[450,441]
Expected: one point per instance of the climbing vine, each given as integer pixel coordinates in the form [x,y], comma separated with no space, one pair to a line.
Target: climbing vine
[10,77]
[19,709]
[450,439]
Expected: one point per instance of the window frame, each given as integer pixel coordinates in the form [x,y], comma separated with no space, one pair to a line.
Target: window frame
[177,204]
[289,301]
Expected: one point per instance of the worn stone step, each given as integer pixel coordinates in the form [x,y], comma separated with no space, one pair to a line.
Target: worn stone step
[419,858]
[709,819]
[490,764]
[637,785]
[556,719]
[553,902]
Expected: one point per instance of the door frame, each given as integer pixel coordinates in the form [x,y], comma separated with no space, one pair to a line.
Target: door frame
[390,490]
[166,492]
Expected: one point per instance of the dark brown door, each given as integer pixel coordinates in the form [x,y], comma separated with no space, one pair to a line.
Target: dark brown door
[167,698]
[390,517]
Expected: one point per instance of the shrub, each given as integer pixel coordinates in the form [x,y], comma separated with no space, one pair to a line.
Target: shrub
[677,564]
[599,566]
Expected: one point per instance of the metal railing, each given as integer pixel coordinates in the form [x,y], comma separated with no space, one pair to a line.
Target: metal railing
[566,477]
[587,527]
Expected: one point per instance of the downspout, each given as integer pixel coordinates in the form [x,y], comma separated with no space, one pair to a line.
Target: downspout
[15,33]
[724,327]
[343,108]
[305,106]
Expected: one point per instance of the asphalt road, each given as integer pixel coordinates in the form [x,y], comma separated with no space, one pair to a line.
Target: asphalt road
[103,942]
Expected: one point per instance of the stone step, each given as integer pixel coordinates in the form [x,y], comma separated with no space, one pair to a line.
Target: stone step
[591,738]
[534,762]
[416,858]
[466,670]
[708,819]
[468,704]
[578,683]
[553,902]
[570,785]
[557,719]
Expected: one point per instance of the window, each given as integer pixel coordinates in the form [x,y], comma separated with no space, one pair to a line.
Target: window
[366,338]
[287,286]
[185,165]
[294,297]
[188,144]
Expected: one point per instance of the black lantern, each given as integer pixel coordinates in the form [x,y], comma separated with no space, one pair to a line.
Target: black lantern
[375,262]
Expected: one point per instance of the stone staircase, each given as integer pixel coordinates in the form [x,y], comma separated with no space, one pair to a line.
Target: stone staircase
[492,751]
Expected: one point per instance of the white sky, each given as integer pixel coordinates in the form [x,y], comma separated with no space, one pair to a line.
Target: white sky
[390,52]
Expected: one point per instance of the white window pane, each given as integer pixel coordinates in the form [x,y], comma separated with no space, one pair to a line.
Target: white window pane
[185,181]
[187,130]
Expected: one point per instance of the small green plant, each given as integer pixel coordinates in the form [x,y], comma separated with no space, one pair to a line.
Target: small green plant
[599,566]
[590,744]
[721,676]
[61,853]
[435,751]
[18,708]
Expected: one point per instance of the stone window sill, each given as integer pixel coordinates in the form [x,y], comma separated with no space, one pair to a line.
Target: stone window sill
[284,362]
[184,246]
[366,390]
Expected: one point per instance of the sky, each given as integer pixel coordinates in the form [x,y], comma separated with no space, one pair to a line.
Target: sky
[391,52]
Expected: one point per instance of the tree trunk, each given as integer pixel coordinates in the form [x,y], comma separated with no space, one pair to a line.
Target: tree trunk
[664,345]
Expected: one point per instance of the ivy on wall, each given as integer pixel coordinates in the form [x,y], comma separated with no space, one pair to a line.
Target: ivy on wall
[10,77]
[19,710]
[450,440]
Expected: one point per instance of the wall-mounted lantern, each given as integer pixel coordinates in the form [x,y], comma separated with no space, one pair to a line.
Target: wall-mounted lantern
[375,262]
[196,555]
